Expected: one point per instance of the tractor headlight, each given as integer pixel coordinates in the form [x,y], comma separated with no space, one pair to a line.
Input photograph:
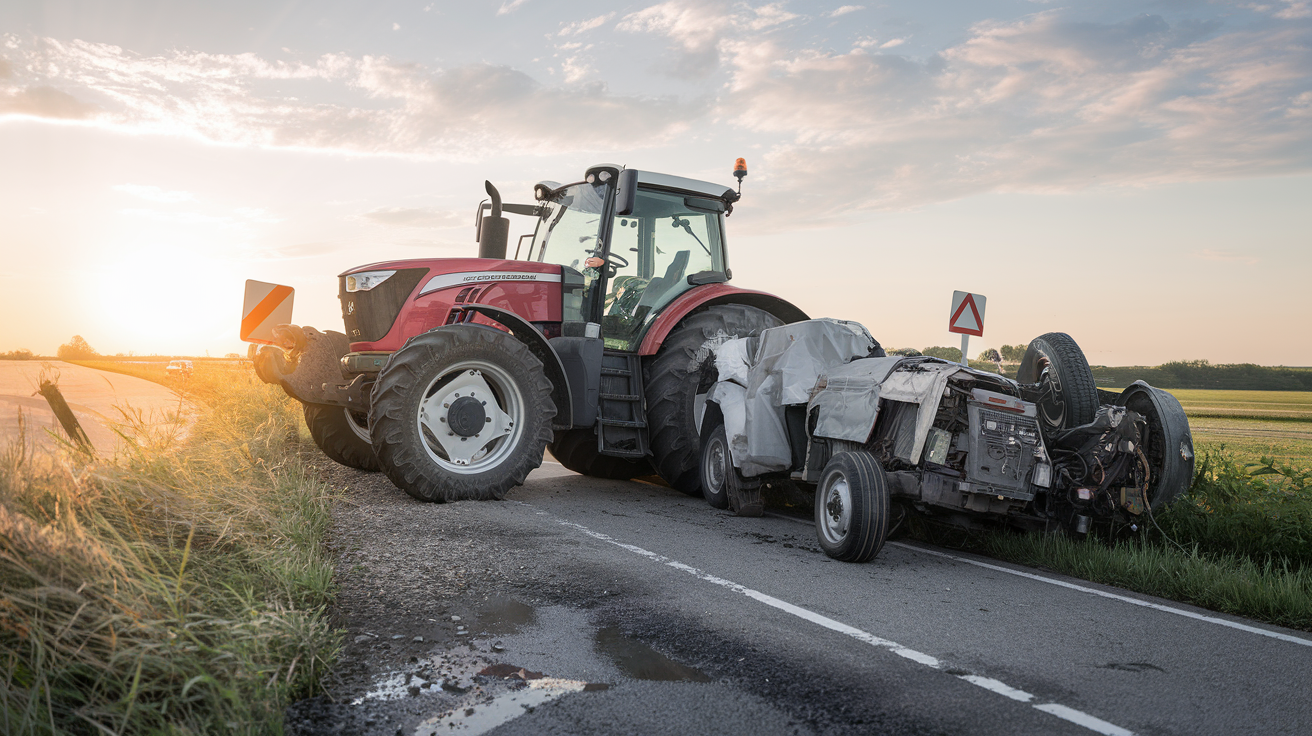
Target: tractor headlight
[367,280]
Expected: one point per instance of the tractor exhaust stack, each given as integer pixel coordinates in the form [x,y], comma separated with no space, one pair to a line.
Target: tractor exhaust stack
[494,230]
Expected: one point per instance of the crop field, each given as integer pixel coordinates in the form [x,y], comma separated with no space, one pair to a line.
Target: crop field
[1265,405]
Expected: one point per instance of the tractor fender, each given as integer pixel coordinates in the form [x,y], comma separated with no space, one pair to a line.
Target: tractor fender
[536,342]
[707,296]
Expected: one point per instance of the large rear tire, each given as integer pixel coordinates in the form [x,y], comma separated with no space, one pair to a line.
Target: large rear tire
[1067,396]
[461,412]
[851,507]
[342,434]
[675,377]
[576,449]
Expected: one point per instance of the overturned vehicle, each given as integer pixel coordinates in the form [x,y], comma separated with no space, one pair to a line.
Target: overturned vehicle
[819,404]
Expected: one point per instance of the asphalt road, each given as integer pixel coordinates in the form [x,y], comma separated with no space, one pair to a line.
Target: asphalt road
[696,621]
[99,400]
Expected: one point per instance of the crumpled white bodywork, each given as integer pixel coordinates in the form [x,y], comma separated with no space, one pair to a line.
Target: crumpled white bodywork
[821,363]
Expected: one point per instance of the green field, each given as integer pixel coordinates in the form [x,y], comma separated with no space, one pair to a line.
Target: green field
[1267,405]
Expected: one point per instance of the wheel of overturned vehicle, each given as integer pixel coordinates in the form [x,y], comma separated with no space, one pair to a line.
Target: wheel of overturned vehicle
[676,381]
[717,466]
[1066,396]
[1167,446]
[342,434]
[851,507]
[576,449]
[461,412]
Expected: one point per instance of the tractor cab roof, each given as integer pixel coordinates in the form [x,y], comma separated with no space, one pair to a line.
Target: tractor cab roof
[668,181]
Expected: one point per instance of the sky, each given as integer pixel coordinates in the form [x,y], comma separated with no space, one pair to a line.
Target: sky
[1136,174]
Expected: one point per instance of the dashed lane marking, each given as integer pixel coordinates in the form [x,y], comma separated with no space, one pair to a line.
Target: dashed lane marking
[1072,715]
[1092,591]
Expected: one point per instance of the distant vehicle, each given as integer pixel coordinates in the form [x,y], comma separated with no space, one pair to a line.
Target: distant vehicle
[179,368]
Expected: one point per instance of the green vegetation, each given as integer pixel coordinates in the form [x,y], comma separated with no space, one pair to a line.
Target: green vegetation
[1239,541]
[1202,374]
[178,588]
[1267,405]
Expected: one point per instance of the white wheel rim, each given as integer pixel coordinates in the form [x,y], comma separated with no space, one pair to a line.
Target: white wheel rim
[716,466]
[361,429]
[502,402]
[835,507]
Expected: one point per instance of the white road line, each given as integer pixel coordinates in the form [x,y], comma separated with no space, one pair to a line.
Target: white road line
[1092,591]
[1077,717]
[1114,596]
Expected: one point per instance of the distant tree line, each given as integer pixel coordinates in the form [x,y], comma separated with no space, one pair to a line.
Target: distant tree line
[76,349]
[20,354]
[1202,374]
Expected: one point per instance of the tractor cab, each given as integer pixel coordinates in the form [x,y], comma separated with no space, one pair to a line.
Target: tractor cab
[633,241]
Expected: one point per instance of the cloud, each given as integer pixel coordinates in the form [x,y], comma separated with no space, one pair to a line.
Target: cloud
[844,10]
[698,28]
[694,26]
[1039,104]
[413,217]
[155,194]
[583,26]
[365,104]
[510,7]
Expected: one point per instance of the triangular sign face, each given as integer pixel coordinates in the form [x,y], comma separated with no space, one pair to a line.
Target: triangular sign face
[967,314]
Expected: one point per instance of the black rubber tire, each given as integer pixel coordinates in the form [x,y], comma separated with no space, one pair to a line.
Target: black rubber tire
[1070,395]
[576,449]
[867,528]
[401,385]
[1168,445]
[716,465]
[331,429]
[683,368]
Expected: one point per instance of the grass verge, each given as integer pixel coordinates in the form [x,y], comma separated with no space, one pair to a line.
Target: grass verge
[1239,541]
[177,588]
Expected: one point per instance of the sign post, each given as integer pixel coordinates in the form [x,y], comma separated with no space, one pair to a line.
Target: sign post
[966,318]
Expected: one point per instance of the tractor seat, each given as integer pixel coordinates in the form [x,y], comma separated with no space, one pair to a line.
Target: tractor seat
[658,286]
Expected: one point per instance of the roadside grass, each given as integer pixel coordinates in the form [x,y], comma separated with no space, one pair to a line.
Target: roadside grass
[1238,541]
[178,588]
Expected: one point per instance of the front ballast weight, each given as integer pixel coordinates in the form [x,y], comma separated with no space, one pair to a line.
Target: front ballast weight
[817,404]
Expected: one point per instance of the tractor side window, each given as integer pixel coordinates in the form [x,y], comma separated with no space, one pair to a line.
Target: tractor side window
[664,241]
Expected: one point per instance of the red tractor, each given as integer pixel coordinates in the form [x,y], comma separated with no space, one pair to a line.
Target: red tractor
[595,340]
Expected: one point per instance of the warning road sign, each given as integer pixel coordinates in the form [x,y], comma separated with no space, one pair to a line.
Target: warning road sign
[265,306]
[967,316]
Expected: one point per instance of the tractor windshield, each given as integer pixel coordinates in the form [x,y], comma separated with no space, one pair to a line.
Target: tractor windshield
[569,233]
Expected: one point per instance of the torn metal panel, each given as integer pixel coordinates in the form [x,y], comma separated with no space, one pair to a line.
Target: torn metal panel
[848,398]
[784,371]
[733,360]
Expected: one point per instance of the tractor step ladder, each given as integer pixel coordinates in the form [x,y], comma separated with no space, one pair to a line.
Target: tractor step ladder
[622,417]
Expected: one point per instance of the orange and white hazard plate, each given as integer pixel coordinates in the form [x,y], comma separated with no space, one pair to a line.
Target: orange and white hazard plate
[265,307]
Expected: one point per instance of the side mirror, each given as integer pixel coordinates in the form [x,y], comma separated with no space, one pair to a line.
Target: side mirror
[626,194]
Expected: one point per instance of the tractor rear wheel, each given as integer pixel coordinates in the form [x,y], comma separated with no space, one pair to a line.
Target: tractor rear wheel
[461,412]
[342,434]
[576,449]
[676,381]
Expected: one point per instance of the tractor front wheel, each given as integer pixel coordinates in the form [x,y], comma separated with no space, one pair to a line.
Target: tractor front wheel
[342,434]
[461,412]
[677,380]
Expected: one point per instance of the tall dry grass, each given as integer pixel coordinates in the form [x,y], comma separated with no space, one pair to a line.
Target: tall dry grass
[176,588]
